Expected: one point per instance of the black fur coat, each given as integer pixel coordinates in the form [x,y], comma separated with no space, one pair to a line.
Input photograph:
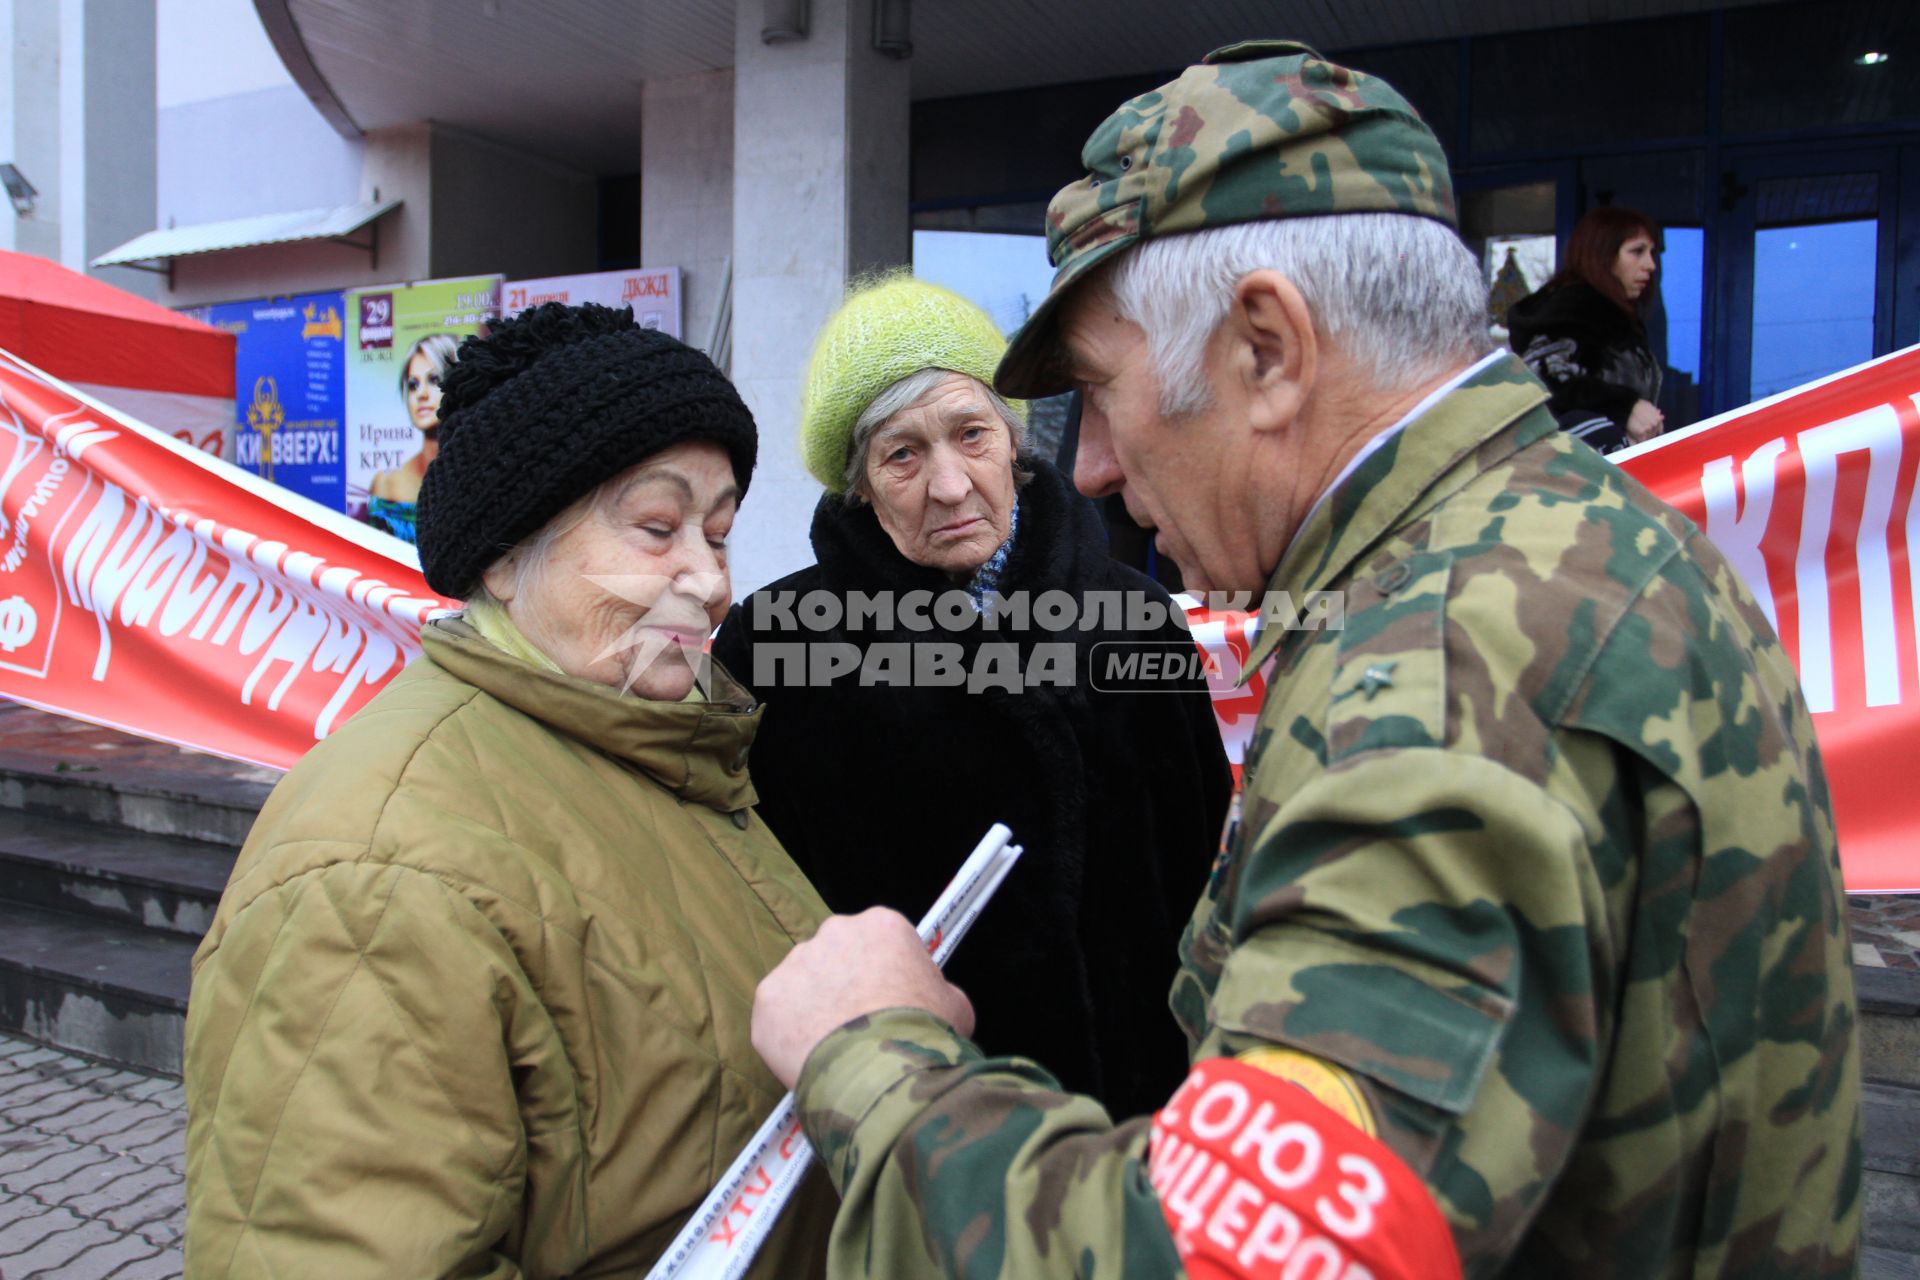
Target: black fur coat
[879,793]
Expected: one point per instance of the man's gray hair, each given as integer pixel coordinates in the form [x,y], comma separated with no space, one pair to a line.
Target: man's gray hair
[1400,295]
[903,394]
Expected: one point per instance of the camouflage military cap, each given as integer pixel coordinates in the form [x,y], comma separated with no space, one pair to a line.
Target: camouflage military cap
[1260,129]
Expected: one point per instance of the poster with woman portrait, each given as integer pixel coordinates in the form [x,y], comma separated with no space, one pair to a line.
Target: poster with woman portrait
[401,340]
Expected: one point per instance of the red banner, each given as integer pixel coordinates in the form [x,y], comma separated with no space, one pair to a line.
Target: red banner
[149,587]
[146,586]
[1811,495]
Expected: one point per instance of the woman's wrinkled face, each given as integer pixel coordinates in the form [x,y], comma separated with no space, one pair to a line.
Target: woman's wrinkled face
[629,595]
[1635,264]
[940,476]
[421,388]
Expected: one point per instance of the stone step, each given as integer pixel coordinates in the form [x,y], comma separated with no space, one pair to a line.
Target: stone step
[1888,1264]
[160,882]
[110,991]
[1891,1183]
[1889,1024]
[138,796]
[1892,1116]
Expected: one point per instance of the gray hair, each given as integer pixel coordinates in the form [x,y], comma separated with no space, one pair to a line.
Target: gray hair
[1399,294]
[904,394]
[527,559]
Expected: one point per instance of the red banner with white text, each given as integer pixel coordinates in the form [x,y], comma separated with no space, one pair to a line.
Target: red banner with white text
[1811,496]
[147,586]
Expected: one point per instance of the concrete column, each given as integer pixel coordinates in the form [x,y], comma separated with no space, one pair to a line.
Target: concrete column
[114,141]
[77,119]
[819,195]
[686,189]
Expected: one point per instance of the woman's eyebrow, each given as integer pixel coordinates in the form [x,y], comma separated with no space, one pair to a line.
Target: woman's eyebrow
[673,479]
[965,411]
[888,434]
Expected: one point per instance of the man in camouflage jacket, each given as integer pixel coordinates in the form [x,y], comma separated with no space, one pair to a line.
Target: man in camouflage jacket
[1526,953]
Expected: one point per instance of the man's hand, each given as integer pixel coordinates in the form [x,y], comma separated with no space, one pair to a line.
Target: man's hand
[1645,422]
[854,965]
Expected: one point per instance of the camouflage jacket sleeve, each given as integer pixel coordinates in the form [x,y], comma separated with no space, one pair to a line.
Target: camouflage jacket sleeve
[951,1163]
[1430,925]
[1368,936]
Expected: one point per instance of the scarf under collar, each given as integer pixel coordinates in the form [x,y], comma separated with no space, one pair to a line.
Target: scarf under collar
[987,578]
[490,618]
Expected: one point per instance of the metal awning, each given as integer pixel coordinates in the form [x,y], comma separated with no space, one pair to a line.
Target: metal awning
[337,225]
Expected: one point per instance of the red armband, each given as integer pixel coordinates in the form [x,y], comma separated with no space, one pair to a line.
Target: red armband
[1259,1180]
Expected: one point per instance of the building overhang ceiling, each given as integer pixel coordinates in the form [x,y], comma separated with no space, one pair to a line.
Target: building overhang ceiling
[562,78]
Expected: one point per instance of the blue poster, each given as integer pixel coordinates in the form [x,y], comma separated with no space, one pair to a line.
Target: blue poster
[289,391]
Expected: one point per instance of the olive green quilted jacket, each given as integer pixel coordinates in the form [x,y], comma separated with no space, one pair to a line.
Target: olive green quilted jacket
[476,1000]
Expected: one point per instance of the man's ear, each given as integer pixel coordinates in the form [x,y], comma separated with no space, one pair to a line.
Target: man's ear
[1279,353]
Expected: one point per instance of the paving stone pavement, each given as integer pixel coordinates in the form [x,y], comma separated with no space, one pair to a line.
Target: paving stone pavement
[92,1169]
[1886,930]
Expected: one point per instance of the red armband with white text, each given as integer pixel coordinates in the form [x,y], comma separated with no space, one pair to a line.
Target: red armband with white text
[1259,1180]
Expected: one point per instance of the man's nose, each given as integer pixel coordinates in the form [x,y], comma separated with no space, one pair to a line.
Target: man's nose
[1096,472]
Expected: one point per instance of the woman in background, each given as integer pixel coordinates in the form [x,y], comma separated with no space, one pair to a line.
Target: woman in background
[1582,334]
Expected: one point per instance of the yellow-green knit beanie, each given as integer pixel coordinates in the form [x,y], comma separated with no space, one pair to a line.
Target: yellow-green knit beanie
[886,330]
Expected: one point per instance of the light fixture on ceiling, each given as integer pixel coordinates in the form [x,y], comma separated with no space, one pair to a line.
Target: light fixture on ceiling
[783,21]
[1872,58]
[893,27]
[19,190]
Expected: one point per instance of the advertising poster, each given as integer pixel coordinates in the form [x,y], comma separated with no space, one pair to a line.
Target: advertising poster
[400,342]
[652,294]
[290,391]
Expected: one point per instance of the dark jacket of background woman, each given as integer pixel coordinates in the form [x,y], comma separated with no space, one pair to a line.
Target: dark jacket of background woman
[1593,356]
[879,793]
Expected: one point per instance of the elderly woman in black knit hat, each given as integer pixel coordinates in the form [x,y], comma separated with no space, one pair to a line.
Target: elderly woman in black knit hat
[476,1000]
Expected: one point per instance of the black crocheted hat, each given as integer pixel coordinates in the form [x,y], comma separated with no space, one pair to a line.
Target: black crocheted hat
[546,407]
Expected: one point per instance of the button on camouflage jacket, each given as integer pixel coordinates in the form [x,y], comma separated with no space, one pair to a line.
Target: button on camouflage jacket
[1537,849]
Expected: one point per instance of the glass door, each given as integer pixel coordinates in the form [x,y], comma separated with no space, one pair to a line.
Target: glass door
[1807,272]
[1513,222]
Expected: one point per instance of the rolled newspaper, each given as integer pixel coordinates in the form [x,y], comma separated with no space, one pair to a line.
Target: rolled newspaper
[721,1238]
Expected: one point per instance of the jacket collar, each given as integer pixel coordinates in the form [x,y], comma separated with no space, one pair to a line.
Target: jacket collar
[1471,429]
[697,750]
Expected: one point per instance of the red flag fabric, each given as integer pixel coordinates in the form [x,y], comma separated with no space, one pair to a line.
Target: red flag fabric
[1811,495]
[147,586]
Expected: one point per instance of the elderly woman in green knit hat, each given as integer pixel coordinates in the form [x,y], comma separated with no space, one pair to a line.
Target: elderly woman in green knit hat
[918,689]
